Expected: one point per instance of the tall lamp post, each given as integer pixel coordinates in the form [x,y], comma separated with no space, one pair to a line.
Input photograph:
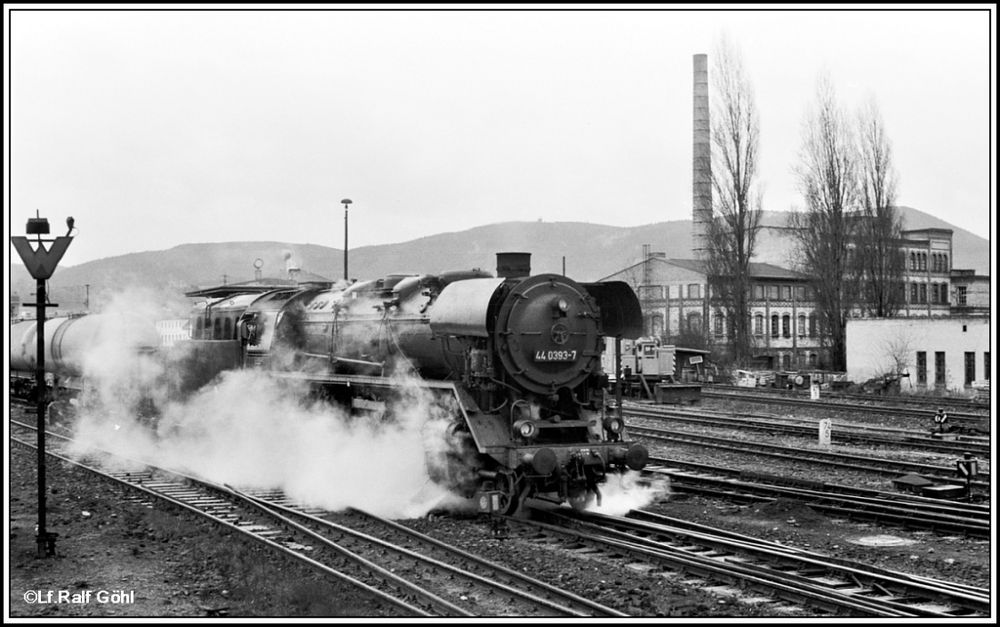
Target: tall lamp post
[41,263]
[345,202]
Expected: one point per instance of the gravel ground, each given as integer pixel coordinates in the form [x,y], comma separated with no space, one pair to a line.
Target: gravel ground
[179,568]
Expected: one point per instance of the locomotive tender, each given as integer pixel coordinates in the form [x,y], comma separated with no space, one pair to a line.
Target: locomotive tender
[515,358]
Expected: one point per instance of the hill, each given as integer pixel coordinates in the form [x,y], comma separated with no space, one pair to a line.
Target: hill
[591,252]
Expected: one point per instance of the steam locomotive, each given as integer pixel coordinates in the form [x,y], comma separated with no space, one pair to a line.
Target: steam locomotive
[515,358]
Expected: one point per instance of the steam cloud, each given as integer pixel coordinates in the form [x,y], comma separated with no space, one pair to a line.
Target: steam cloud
[253,431]
[621,493]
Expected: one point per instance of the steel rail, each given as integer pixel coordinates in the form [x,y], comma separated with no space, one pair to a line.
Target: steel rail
[250,533]
[482,580]
[842,460]
[957,417]
[840,431]
[900,588]
[777,585]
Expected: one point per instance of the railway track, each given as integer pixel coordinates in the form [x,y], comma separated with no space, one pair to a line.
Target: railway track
[928,404]
[840,432]
[885,467]
[838,501]
[404,549]
[787,575]
[967,420]
[414,574]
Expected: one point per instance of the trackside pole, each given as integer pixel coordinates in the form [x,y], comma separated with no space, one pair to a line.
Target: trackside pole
[41,262]
[618,376]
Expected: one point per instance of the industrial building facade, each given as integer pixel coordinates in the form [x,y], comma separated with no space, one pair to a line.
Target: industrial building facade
[676,301]
[951,353]
[940,336]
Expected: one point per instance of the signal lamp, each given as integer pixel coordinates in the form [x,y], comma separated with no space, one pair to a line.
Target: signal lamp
[38,226]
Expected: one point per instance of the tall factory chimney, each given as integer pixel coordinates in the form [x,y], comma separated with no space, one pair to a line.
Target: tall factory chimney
[701,210]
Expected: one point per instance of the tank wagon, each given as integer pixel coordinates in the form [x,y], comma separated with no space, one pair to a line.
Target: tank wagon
[70,348]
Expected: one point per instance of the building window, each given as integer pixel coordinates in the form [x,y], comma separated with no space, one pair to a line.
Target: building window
[227,329]
[813,359]
[786,362]
[654,325]
[913,261]
[986,365]
[923,261]
[758,292]
[650,291]
[719,323]
[772,292]
[962,292]
[786,326]
[939,368]
[923,293]
[812,325]
[694,291]
[944,263]
[800,292]
[217,329]
[934,293]
[802,325]
[787,289]
[921,368]
[970,368]
[694,322]
[758,324]
[913,292]
[774,325]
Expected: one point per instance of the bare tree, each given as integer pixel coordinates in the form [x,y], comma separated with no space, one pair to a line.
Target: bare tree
[878,253]
[824,232]
[732,233]
[897,352]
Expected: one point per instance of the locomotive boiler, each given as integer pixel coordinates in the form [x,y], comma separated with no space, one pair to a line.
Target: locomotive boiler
[516,358]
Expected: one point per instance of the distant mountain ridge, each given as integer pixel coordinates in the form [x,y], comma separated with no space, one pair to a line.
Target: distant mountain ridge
[590,251]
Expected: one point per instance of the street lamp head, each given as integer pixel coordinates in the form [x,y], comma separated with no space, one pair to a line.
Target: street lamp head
[69,223]
[345,202]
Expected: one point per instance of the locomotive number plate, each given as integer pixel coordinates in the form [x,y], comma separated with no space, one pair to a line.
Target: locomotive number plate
[555,355]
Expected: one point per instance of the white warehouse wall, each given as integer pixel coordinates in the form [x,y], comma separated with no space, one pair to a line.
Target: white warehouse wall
[875,345]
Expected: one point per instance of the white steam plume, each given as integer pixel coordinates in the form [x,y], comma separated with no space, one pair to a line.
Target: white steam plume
[621,493]
[254,431]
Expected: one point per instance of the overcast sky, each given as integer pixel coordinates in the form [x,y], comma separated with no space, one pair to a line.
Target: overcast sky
[156,128]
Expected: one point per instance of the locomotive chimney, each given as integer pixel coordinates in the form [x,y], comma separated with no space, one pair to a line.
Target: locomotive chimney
[701,211]
[513,265]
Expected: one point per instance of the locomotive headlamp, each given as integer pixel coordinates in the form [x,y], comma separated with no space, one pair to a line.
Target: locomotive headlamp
[562,305]
[526,429]
[614,425]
